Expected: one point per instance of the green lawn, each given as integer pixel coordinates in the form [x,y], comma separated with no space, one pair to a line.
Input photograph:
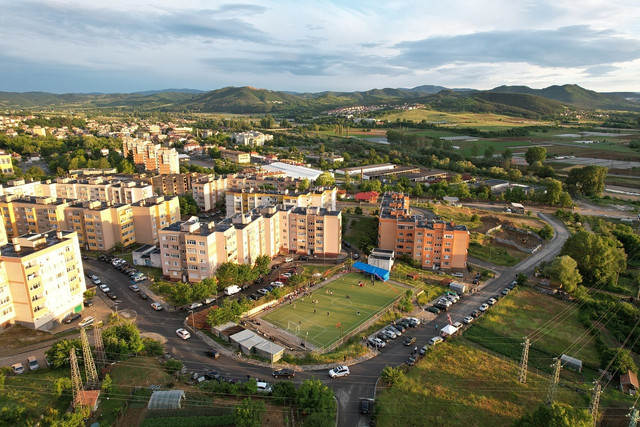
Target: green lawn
[524,310]
[456,384]
[299,318]
[482,247]
[360,230]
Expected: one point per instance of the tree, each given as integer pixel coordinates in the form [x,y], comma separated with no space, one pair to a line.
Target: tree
[620,360]
[249,413]
[89,293]
[304,184]
[521,279]
[357,210]
[546,232]
[262,264]
[599,258]
[556,415]
[284,123]
[188,205]
[227,274]
[535,154]
[267,122]
[564,270]
[629,239]
[588,180]
[393,376]
[284,392]
[58,354]
[506,156]
[122,340]
[489,151]
[315,397]
[107,385]
[325,180]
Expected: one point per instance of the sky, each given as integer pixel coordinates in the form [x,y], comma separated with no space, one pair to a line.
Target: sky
[310,46]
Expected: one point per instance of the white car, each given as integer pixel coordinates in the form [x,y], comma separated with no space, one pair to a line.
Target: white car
[86,321]
[195,305]
[104,288]
[264,387]
[492,301]
[96,280]
[467,320]
[339,371]
[378,342]
[138,278]
[414,319]
[277,284]
[286,274]
[17,368]
[156,306]
[483,307]
[392,333]
[183,333]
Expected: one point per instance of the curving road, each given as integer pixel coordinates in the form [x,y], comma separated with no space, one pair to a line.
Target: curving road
[348,390]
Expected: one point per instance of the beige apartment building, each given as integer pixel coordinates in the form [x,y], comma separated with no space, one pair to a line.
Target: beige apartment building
[23,215]
[153,157]
[98,188]
[152,215]
[192,250]
[45,276]
[240,201]
[100,225]
[6,166]
[7,312]
[436,244]
[173,184]
[20,187]
[208,190]
[236,156]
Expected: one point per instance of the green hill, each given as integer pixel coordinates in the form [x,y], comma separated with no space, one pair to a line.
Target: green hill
[91,100]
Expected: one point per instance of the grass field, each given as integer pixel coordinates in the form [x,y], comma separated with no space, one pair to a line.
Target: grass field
[456,384]
[299,318]
[524,310]
[482,247]
[484,121]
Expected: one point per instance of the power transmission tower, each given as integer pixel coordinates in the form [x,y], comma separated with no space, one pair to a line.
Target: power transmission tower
[553,387]
[522,376]
[595,402]
[101,356]
[89,366]
[634,416]
[76,379]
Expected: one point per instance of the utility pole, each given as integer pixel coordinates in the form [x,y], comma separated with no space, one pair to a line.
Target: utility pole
[522,375]
[634,416]
[101,356]
[553,387]
[89,366]
[595,402]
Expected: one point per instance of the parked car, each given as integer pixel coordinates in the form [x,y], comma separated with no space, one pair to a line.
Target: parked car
[32,363]
[143,295]
[435,341]
[339,371]
[423,349]
[366,406]
[483,307]
[409,341]
[104,288]
[433,309]
[377,342]
[403,322]
[263,291]
[411,360]
[156,306]
[71,318]
[213,375]
[457,325]
[214,354]
[88,303]
[96,280]
[86,322]
[17,368]
[390,332]
[277,284]
[183,333]
[258,280]
[287,274]
[414,321]
[394,329]
[383,337]
[285,373]
[304,258]
[441,307]
[139,279]
[505,291]
[467,320]
[112,295]
[264,388]
[476,313]
[492,301]
[457,274]
[194,305]
[399,327]
[134,288]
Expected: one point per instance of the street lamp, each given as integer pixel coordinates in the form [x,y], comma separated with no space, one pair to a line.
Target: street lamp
[193,319]
[305,340]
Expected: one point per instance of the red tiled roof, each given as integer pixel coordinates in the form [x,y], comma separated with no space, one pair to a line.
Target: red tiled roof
[367,195]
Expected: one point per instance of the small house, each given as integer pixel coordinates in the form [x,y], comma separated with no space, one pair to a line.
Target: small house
[368,197]
[629,383]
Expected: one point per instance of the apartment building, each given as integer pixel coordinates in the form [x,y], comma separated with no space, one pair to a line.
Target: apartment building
[253,138]
[20,187]
[236,156]
[98,188]
[7,312]
[192,250]
[6,166]
[175,183]
[208,190]
[152,157]
[23,215]
[436,244]
[45,276]
[152,215]
[101,225]
[240,201]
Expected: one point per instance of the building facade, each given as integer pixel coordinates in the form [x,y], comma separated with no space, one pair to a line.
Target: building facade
[152,215]
[101,226]
[45,276]
[435,244]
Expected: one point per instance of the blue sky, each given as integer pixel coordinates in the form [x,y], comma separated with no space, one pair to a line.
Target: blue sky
[126,45]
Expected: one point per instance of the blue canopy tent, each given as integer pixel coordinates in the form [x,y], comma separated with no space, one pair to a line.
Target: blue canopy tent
[379,273]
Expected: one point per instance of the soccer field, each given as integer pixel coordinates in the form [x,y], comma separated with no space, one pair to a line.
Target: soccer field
[311,321]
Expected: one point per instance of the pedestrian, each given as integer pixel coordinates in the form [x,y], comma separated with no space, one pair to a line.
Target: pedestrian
[314,311]
[415,349]
[327,313]
[358,312]
[436,324]
[345,358]
[294,306]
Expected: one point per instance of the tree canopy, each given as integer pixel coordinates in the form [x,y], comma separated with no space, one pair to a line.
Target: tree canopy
[535,154]
[588,180]
[599,258]
[556,415]
[564,270]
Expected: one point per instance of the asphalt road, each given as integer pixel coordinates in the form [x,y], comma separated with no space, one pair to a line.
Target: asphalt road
[348,390]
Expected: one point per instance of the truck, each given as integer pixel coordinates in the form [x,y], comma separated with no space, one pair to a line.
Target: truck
[458,288]
[230,290]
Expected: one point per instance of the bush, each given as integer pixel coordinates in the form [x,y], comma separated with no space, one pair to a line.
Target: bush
[152,347]
[173,365]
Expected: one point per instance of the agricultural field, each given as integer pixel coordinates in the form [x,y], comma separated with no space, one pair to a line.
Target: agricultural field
[486,122]
[524,311]
[456,384]
[311,322]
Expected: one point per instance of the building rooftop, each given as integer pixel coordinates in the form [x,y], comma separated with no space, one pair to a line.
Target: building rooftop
[294,171]
[31,243]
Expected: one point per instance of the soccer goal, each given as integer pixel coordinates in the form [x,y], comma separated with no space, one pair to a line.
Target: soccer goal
[293,326]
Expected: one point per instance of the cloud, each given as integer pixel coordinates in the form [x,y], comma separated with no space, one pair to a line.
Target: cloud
[574,46]
[600,70]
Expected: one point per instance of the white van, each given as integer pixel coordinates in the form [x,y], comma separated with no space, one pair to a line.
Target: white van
[230,290]
[288,259]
